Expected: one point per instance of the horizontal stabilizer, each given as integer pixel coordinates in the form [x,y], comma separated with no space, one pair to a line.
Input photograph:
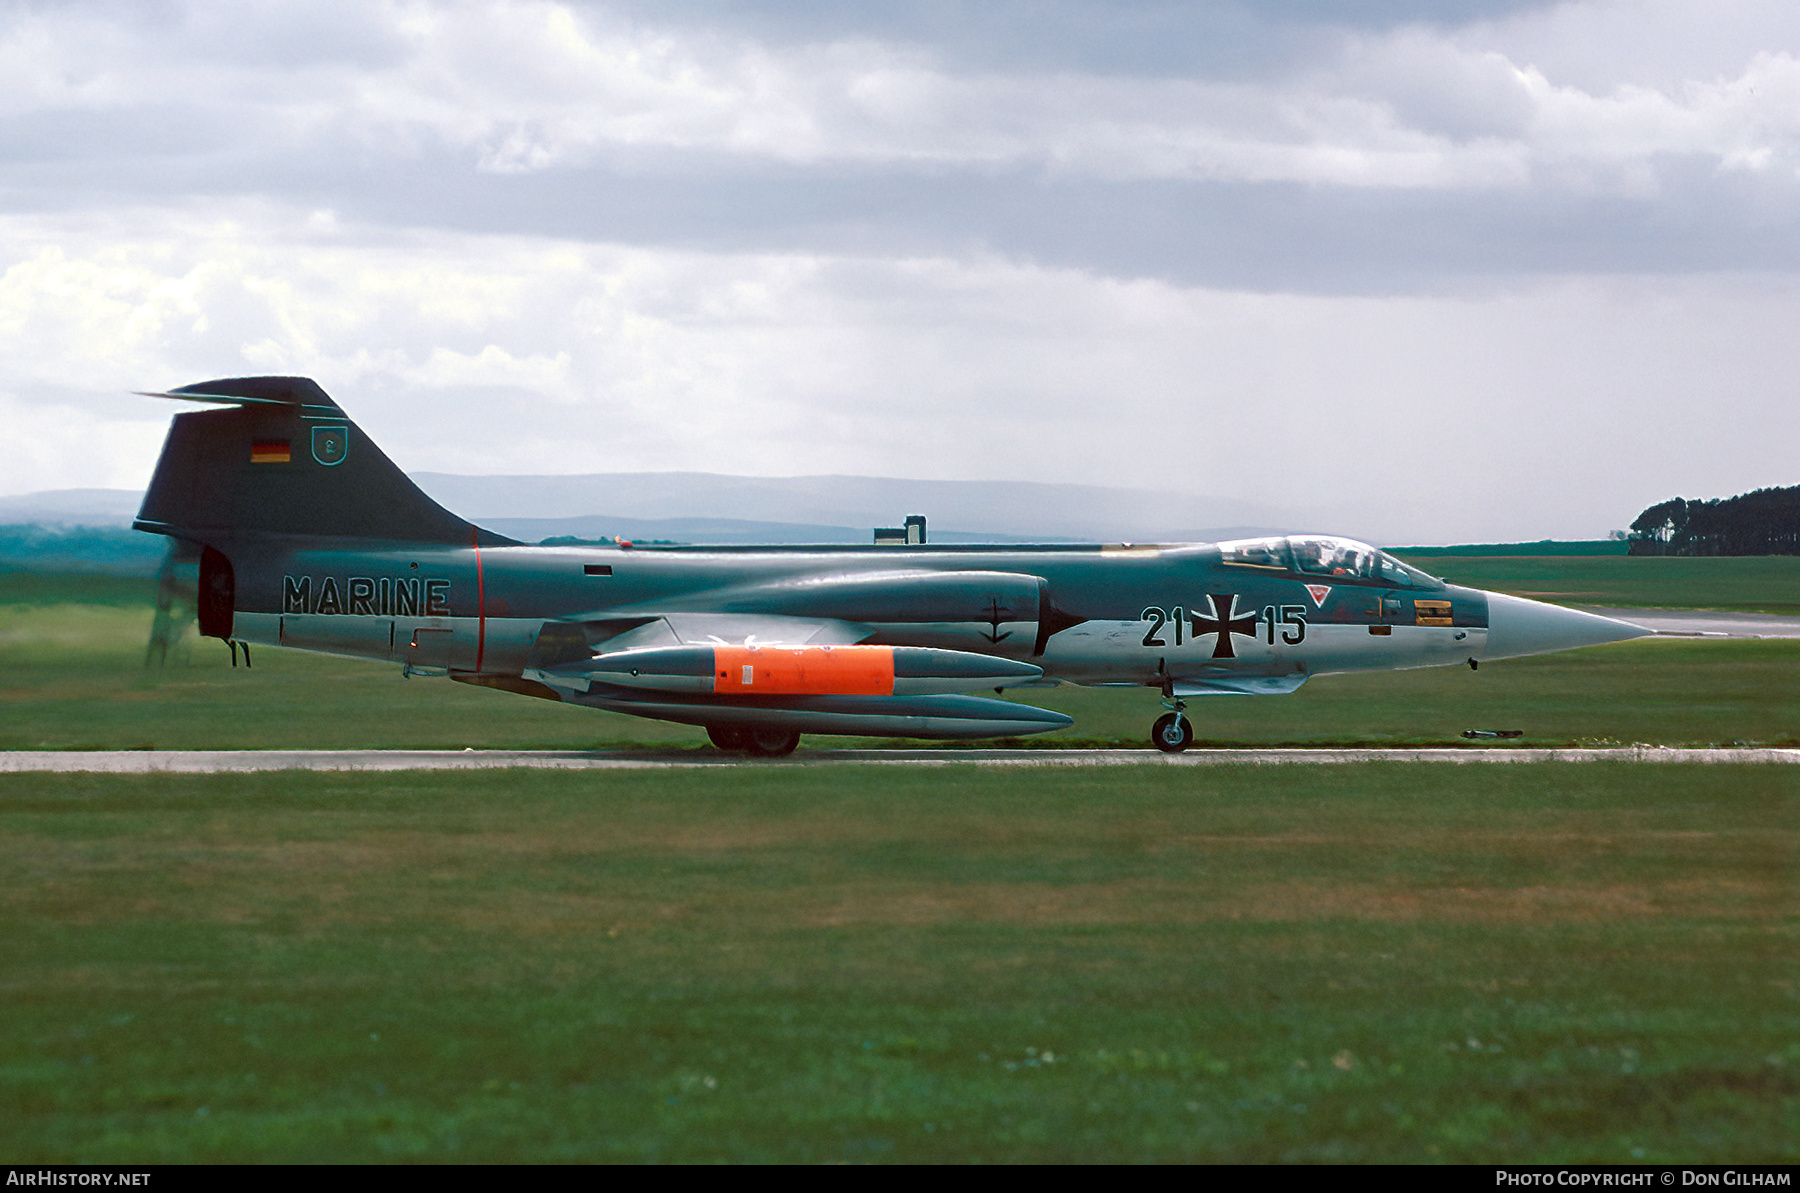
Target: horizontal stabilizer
[253,391]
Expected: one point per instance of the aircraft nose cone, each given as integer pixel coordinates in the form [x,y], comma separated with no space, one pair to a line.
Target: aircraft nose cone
[1517,627]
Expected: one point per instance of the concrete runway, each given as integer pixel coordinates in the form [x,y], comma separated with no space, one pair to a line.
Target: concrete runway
[1668,623]
[1700,623]
[214,761]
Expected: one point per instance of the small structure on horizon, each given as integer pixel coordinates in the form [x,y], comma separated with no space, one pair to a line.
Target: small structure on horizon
[912,534]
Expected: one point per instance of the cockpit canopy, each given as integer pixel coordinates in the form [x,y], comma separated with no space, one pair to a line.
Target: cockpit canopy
[1336,559]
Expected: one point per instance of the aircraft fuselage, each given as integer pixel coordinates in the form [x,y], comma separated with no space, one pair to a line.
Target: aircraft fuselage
[307,536]
[1128,614]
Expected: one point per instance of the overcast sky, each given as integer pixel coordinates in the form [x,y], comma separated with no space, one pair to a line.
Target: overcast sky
[1411,270]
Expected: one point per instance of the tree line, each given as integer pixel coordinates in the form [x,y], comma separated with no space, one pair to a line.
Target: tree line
[1765,522]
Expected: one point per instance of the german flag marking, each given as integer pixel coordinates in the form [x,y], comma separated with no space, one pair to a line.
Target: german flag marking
[270,451]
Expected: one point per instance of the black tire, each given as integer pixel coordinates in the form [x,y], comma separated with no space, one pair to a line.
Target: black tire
[1167,737]
[771,743]
[729,738]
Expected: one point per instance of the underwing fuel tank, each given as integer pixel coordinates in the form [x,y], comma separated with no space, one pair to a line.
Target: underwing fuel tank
[945,717]
[869,691]
[786,670]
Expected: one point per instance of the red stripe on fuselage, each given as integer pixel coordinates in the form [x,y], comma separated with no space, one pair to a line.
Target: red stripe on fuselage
[480,602]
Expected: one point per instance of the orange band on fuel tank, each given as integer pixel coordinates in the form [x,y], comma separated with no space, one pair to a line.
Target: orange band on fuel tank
[803,670]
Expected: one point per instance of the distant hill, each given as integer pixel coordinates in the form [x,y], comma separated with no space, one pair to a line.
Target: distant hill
[1542,547]
[111,550]
[72,507]
[823,508]
[697,507]
[718,531]
[64,545]
[88,529]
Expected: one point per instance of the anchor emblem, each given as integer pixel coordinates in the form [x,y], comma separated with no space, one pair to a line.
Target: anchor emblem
[995,609]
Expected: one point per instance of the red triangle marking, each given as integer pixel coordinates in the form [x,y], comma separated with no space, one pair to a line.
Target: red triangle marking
[1319,593]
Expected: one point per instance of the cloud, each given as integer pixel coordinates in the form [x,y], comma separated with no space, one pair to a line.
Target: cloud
[1399,155]
[530,86]
[1404,108]
[1464,269]
[67,446]
[1521,411]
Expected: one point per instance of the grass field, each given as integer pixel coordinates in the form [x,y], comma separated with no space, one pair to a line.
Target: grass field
[1387,962]
[72,677]
[1391,962]
[1540,547]
[1738,584]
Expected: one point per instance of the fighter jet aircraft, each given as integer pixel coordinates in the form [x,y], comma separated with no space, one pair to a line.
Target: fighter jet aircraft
[307,536]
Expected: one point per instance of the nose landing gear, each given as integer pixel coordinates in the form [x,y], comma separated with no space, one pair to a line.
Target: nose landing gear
[1173,732]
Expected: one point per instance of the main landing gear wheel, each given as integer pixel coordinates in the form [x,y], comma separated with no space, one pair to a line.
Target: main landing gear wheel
[771,743]
[1172,733]
[730,739]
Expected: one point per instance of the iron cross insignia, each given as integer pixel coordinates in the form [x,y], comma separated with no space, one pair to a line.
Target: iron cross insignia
[1224,622]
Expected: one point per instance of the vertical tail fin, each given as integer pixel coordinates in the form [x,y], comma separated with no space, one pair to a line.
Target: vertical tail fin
[285,459]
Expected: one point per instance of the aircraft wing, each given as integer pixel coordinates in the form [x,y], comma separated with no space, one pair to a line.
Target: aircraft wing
[716,668]
[583,637]
[896,595]
[1220,681]
[768,628]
